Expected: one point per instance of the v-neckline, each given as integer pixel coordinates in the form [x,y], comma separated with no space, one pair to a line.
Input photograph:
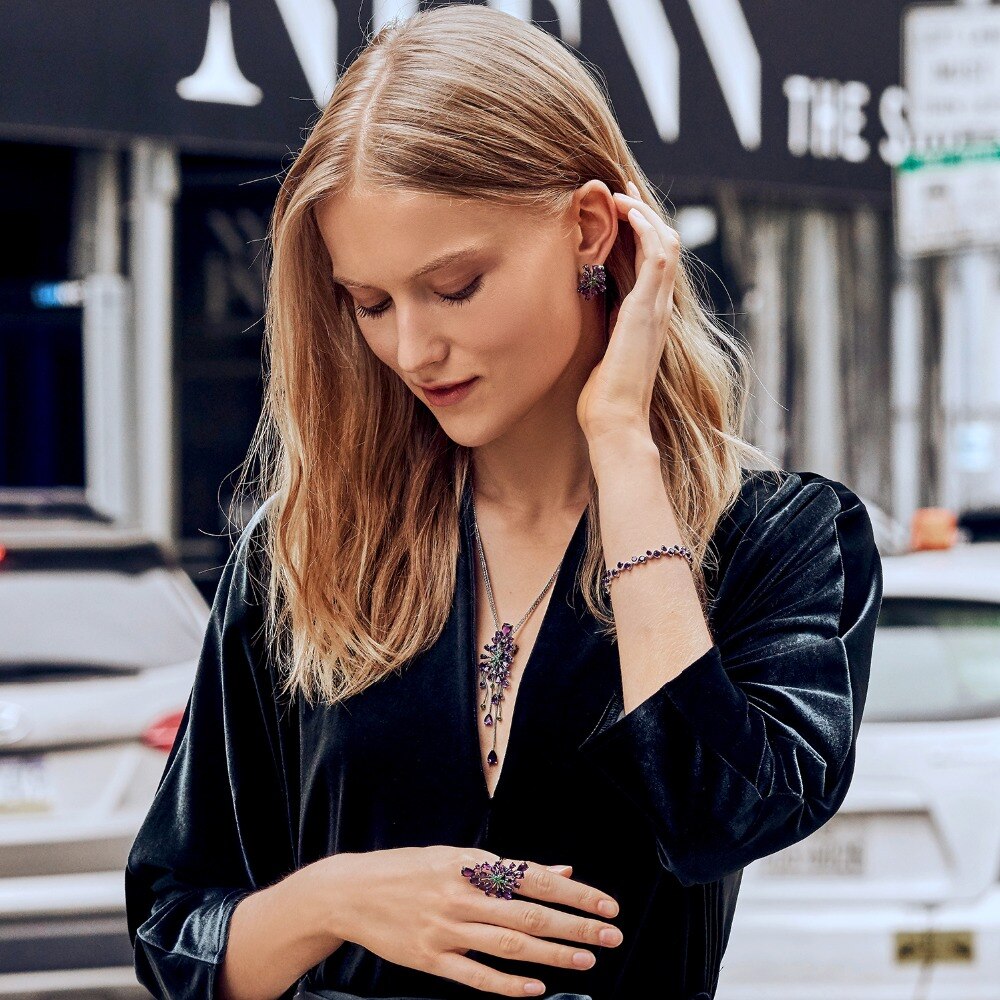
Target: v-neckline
[567,571]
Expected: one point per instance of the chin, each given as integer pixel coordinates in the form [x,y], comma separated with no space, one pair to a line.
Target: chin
[470,430]
[466,436]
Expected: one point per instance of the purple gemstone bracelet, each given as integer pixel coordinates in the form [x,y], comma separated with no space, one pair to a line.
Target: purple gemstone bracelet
[664,550]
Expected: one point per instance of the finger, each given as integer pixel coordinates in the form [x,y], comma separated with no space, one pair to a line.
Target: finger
[540,921]
[659,265]
[508,942]
[539,883]
[543,921]
[624,203]
[668,235]
[481,977]
[669,240]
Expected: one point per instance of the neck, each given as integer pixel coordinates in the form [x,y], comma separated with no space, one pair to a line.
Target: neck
[529,484]
[541,467]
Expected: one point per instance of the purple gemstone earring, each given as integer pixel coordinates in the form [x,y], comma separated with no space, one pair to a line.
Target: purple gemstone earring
[593,281]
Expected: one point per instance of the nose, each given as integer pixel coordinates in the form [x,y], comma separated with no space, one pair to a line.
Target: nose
[418,348]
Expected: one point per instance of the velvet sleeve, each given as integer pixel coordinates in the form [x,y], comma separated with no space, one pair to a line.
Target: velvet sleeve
[751,747]
[219,826]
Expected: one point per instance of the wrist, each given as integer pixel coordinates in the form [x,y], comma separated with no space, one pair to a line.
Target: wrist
[332,884]
[615,452]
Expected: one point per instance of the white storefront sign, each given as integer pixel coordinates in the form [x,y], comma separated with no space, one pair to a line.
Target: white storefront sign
[946,201]
[947,191]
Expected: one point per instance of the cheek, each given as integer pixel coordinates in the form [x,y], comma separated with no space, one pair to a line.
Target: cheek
[381,346]
[520,326]
[538,338]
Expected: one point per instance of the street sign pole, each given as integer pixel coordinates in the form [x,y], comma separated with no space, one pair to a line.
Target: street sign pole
[972,334]
[947,203]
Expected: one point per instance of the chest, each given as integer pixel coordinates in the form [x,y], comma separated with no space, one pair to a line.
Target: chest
[512,580]
[501,666]
[406,760]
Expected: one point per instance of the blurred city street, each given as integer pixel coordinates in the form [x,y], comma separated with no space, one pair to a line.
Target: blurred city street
[834,168]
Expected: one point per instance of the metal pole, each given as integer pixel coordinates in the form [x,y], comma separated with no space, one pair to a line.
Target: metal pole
[970,371]
[154,189]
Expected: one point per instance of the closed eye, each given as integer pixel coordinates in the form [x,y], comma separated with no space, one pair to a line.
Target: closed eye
[373,312]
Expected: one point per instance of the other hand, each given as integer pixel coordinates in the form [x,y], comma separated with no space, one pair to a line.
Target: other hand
[414,908]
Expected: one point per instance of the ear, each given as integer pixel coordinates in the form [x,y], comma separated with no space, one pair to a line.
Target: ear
[595,217]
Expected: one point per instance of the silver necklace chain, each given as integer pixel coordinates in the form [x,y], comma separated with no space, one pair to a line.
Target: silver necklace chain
[498,655]
[486,577]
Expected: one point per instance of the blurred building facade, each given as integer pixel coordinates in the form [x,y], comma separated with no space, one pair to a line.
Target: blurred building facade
[140,178]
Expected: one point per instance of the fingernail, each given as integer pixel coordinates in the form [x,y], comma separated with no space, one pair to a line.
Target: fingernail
[558,868]
[607,907]
[533,987]
[611,935]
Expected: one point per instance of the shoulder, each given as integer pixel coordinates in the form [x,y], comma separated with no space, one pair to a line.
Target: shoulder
[244,577]
[797,525]
[239,609]
[770,502]
[253,531]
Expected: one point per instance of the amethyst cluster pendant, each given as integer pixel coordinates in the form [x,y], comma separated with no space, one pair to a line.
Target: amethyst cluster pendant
[494,673]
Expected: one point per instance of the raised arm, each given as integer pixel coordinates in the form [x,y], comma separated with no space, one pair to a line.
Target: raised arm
[750,746]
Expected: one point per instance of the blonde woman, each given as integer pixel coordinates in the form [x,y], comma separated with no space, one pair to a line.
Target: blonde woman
[505,684]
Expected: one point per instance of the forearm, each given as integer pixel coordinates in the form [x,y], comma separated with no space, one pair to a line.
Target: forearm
[280,932]
[660,624]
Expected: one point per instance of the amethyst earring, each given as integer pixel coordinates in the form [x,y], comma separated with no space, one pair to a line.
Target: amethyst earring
[593,281]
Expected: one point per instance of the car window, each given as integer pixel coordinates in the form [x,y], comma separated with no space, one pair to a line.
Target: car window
[103,618]
[935,659]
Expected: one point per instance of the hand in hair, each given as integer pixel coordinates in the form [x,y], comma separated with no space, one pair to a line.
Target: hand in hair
[618,393]
[411,906]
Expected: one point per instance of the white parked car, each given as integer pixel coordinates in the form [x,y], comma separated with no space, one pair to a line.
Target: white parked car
[99,641]
[897,897]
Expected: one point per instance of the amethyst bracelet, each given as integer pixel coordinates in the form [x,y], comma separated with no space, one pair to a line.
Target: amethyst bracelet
[664,550]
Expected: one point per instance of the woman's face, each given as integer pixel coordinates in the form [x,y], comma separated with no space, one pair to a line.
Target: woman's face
[504,310]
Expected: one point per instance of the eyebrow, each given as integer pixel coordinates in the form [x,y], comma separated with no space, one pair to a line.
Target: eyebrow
[442,260]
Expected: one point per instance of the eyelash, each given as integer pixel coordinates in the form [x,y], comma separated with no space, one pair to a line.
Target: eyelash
[455,300]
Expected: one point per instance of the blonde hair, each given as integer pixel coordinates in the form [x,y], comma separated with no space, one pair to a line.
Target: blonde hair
[361,487]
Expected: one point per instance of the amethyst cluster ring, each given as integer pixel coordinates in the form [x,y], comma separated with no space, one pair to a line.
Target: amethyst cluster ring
[495,878]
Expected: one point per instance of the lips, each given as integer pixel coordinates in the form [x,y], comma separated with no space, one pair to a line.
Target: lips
[449,396]
[444,386]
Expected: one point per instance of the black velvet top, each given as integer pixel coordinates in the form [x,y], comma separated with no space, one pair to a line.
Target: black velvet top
[748,750]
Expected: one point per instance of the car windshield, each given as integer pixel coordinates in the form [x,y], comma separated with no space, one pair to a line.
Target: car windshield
[935,659]
[107,619]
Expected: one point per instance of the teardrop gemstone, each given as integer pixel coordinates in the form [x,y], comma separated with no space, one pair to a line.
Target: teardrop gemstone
[492,757]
